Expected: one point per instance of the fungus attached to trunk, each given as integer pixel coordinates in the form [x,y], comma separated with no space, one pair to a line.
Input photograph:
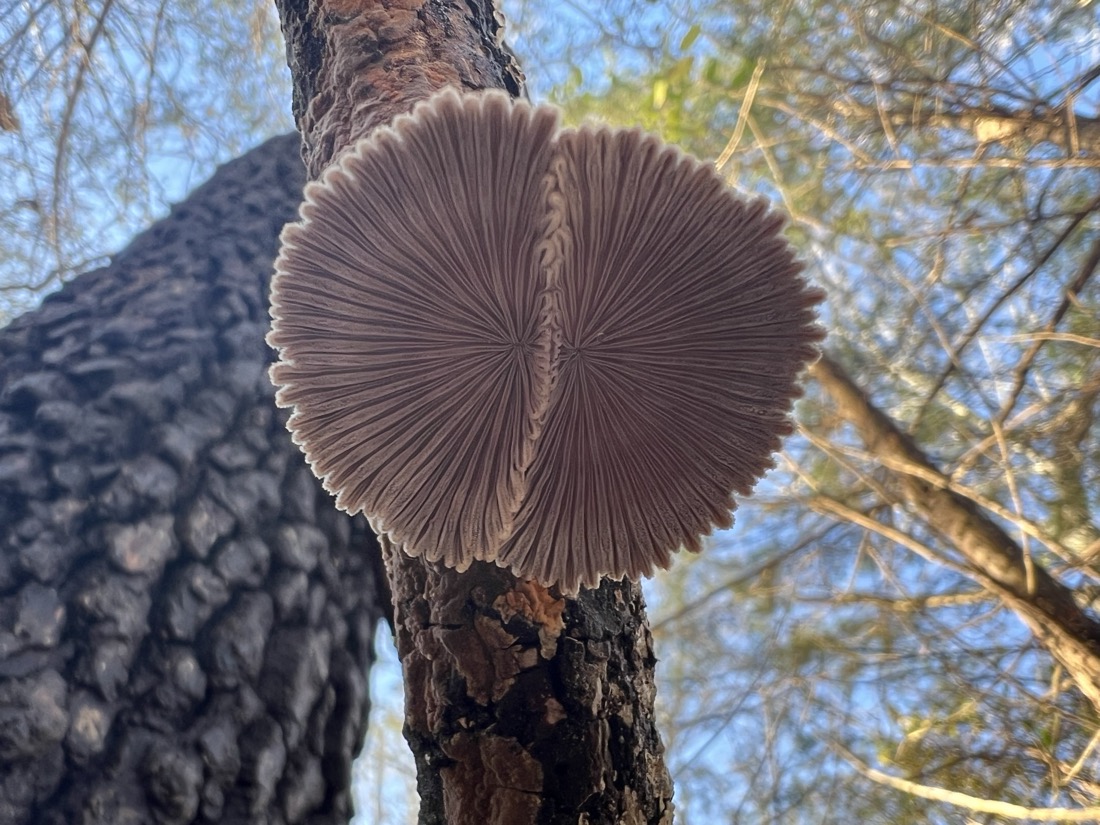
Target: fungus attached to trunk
[562,352]
[683,328]
[409,314]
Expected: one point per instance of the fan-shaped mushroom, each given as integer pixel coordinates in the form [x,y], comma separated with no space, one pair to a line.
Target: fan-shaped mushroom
[684,326]
[411,320]
[560,352]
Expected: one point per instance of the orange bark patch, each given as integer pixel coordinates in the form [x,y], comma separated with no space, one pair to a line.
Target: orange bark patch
[534,603]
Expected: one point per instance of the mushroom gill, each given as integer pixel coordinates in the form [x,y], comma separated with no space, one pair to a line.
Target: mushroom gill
[684,324]
[564,352]
[410,319]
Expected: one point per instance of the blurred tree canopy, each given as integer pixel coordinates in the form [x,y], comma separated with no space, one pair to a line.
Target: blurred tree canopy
[835,657]
[110,111]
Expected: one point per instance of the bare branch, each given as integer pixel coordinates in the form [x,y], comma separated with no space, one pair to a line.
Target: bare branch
[970,803]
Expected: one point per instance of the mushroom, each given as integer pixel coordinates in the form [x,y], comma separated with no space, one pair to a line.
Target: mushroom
[411,321]
[563,352]
[684,326]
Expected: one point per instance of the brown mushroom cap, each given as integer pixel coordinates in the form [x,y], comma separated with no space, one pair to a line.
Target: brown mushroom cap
[410,316]
[560,352]
[684,325]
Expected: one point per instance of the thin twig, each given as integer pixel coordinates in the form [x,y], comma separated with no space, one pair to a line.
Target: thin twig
[742,115]
[65,129]
[963,800]
[1088,267]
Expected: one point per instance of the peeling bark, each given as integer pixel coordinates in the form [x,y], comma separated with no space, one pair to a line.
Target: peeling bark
[996,561]
[521,706]
[358,64]
[185,620]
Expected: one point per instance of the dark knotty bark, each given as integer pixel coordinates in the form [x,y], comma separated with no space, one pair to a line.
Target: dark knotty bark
[521,706]
[185,620]
[996,561]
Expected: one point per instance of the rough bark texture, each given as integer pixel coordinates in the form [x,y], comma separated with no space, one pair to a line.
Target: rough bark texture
[996,561]
[357,64]
[185,620]
[525,707]
[521,706]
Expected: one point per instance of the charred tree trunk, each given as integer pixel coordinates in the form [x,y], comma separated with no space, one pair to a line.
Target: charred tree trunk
[521,706]
[185,620]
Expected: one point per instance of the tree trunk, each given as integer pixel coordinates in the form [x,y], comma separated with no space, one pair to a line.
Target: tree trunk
[521,706]
[995,560]
[185,620]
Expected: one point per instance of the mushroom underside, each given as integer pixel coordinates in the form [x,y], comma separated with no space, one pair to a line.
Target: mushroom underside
[560,351]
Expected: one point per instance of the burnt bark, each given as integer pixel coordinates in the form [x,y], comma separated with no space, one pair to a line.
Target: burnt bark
[521,706]
[995,559]
[185,620]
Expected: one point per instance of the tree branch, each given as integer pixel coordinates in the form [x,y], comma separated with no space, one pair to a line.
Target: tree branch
[1045,605]
[963,800]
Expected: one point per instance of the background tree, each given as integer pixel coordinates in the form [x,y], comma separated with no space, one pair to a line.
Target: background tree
[185,622]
